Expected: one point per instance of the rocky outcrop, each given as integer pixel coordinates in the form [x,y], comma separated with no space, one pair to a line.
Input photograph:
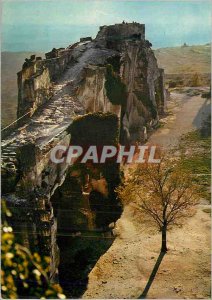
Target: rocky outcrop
[81,70]
[33,87]
[112,36]
[92,93]
[113,76]
[144,81]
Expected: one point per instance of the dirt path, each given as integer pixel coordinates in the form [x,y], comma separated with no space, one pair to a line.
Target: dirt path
[185,113]
[123,271]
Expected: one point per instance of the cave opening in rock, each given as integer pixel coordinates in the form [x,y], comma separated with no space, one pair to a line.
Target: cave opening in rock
[86,204]
[83,233]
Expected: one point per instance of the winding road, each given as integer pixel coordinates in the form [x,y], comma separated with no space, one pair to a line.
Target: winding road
[123,271]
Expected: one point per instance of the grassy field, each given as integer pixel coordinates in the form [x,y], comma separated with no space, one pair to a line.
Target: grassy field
[196,157]
[183,60]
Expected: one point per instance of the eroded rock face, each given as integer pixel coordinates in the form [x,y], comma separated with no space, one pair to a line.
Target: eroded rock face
[33,87]
[111,36]
[145,85]
[115,73]
[92,92]
[80,71]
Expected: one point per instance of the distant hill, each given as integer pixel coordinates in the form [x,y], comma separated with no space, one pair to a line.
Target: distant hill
[182,60]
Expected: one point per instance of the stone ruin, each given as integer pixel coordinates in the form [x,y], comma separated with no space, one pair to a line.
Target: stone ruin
[112,77]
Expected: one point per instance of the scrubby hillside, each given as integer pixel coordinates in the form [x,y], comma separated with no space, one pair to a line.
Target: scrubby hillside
[187,59]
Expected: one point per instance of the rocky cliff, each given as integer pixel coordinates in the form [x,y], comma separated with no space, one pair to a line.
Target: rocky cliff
[80,72]
[114,78]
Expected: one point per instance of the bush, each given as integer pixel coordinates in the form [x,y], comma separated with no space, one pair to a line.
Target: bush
[95,129]
[172,84]
[195,80]
[206,95]
[23,274]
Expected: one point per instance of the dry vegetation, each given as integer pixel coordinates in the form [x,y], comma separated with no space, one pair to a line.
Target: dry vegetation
[186,66]
[126,269]
[183,60]
[164,192]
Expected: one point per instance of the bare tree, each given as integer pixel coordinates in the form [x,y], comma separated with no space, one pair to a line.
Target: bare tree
[163,192]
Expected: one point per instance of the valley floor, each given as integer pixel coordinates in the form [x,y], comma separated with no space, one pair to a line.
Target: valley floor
[123,271]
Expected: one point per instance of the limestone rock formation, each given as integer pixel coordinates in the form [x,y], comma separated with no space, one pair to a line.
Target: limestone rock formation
[80,71]
[116,73]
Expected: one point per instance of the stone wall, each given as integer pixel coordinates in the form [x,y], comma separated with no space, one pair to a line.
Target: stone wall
[110,36]
[34,85]
[36,78]
[58,64]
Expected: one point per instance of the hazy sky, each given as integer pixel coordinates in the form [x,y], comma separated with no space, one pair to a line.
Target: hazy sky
[167,22]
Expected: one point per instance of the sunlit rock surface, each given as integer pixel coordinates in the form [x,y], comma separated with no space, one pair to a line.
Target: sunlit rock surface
[115,73]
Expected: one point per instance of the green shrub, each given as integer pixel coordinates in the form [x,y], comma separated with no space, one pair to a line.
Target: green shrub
[198,159]
[172,84]
[23,274]
[95,129]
